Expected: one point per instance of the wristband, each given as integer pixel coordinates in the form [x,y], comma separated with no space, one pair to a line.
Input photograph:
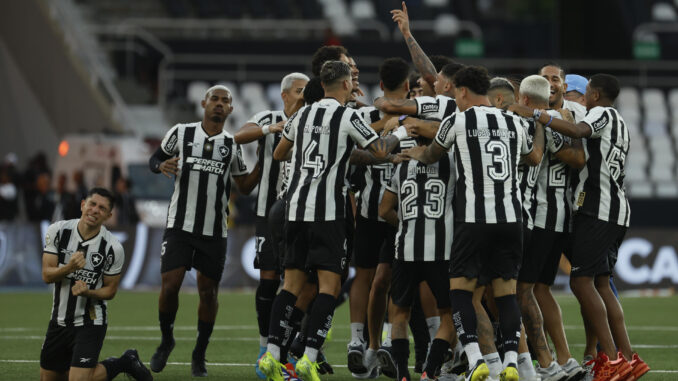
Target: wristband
[266,130]
[536,114]
[400,133]
[401,119]
[549,122]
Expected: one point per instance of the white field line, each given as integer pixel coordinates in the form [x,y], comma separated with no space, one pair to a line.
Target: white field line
[242,364]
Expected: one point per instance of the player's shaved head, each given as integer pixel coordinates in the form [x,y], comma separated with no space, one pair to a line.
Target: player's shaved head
[333,73]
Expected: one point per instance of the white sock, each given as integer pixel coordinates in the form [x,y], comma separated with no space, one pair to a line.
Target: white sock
[263,341]
[493,362]
[312,354]
[274,349]
[387,341]
[357,332]
[370,356]
[510,357]
[525,367]
[433,324]
[473,353]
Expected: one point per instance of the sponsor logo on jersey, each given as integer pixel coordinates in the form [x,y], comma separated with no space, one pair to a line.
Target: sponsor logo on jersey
[171,143]
[88,276]
[600,123]
[429,108]
[206,165]
[443,131]
[364,130]
[580,199]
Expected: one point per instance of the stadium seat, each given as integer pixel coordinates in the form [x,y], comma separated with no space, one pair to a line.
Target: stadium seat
[252,92]
[446,25]
[663,12]
[362,9]
[273,95]
[635,172]
[642,189]
[196,90]
[436,3]
[661,171]
[656,114]
[667,189]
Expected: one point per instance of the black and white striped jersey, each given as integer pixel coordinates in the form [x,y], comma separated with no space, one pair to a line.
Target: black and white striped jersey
[600,192]
[435,108]
[202,187]
[578,111]
[425,214]
[553,207]
[104,256]
[527,180]
[324,134]
[273,172]
[488,145]
[375,177]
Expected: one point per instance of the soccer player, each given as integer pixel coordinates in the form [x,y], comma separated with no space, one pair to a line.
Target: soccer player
[547,214]
[266,128]
[323,136]
[422,196]
[575,88]
[205,161]
[374,238]
[600,223]
[488,146]
[84,261]
[556,76]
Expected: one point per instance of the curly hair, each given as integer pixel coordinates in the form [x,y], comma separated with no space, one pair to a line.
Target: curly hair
[475,78]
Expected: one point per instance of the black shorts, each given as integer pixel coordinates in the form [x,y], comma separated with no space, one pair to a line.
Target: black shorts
[182,249]
[408,275]
[541,256]
[595,244]
[486,251]
[276,224]
[316,246]
[374,243]
[266,258]
[66,347]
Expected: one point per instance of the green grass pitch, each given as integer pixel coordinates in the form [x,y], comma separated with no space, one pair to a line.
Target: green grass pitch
[652,323]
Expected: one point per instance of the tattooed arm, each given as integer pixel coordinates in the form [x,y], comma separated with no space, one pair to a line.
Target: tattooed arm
[365,157]
[420,59]
[396,106]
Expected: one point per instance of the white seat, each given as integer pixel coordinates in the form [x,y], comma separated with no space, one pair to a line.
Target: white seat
[363,9]
[273,96]
[659,172]
[635,172]
[252,92]
[654,105]
[637,157]
[657,144]
[663,12]
[667,189]
[446,25]
[641,189]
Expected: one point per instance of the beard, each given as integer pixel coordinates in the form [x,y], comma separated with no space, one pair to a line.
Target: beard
[217,118]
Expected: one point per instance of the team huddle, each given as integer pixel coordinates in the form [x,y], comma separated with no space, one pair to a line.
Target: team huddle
[455,196]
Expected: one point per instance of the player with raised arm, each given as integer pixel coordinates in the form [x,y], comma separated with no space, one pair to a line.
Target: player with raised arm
[418,200]
[84,261]
[602,215]
[205,161]
[266,128]
[489,144]
[323,136]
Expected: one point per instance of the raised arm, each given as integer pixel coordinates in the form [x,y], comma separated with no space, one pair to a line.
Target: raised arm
[396,106]
[420,59]
[252,131]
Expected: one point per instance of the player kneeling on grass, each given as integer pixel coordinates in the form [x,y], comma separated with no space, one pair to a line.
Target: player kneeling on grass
[422,195]
[83,260]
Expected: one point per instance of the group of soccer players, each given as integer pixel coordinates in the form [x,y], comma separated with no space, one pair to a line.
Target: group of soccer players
[454,196]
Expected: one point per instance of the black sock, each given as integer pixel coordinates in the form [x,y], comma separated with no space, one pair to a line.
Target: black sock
[401,353]
[464,316]
[167,327]
[264,302]
[113,367]
[320,320]
[435,356]
[509,321]
[204,333]
[419,330]
[295,324]
[283,305]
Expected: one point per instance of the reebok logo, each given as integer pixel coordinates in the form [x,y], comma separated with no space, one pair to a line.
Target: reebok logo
[85,360]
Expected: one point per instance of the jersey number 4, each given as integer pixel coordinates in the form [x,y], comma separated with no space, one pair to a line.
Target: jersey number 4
[313,160]
[435,199]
